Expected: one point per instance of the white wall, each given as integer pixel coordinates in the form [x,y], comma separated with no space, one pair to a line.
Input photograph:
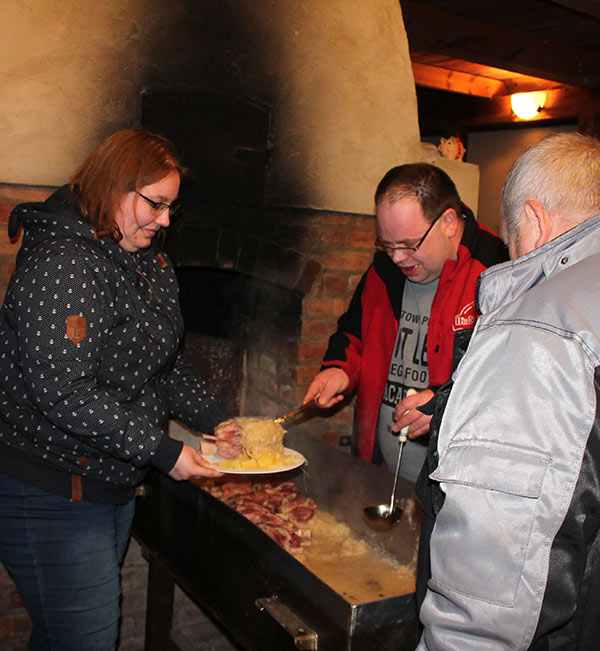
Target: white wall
[495,152]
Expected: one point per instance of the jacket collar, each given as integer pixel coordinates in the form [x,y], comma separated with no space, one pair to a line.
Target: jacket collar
[505,282]
[467,244]
[471,229]
[59,216]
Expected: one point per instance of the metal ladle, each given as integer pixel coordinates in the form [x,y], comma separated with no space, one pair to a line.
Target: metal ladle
[384,516]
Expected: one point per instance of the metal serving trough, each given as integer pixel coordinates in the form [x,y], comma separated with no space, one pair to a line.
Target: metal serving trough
[260,594]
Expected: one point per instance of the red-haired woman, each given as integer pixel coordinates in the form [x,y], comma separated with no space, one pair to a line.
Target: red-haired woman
[90,374]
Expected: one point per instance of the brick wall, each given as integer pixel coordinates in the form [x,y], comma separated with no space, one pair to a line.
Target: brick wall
[319,254]
[15,624]
[8,248]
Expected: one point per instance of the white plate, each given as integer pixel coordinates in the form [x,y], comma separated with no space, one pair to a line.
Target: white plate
[215,459]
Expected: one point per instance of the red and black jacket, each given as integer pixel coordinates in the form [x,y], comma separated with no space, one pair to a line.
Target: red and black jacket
[363,344]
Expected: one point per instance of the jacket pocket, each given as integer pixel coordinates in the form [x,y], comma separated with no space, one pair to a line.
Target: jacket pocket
[485,524]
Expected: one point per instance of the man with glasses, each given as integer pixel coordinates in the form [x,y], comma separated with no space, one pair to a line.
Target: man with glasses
[411,316]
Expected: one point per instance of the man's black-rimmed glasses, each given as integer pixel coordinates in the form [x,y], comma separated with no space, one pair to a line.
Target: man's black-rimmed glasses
[386,248]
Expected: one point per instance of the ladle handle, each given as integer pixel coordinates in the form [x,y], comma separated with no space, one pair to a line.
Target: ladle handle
[393,497]
[403,433]
[402,437]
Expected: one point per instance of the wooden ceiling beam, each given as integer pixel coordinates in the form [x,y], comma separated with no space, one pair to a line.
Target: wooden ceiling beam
[563,104]
[455,81]
[482,83]
[436,30]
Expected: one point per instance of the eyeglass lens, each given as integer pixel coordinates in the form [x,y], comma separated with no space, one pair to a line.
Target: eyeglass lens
[160,205]
[390,249]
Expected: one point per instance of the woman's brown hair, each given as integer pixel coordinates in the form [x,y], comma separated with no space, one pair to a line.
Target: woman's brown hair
[124,162]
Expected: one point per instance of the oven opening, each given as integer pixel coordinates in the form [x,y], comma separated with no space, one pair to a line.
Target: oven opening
[241,335]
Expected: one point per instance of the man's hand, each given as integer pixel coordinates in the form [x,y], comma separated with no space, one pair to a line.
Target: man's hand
[407,414]
[190,464]
[327,387]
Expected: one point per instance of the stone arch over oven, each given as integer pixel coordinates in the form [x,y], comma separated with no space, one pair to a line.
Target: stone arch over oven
[241,335]
[278,246]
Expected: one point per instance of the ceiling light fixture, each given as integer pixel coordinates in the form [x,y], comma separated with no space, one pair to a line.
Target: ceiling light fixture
[528,105]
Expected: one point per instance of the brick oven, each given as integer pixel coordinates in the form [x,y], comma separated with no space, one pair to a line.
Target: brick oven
[261,286]
[273,283]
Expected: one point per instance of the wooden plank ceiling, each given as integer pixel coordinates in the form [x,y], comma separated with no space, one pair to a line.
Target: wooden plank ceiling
[468,56]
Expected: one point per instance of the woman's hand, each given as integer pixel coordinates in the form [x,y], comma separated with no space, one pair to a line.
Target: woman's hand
[327,387]
[407,414]
[190,464]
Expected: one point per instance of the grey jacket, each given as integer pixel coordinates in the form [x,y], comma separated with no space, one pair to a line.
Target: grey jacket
[515,552]
[90,364]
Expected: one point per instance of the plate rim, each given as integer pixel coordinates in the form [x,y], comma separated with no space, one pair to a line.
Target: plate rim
[300,458]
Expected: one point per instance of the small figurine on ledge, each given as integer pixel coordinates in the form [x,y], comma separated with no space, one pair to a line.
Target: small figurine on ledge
[452,148]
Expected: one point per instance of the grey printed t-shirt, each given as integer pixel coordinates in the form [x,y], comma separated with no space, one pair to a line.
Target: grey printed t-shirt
[408,368]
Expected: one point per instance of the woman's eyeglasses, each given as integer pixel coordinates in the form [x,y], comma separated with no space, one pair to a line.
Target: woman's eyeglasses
[160,206]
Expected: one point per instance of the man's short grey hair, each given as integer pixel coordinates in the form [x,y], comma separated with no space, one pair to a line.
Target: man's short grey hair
[562,173]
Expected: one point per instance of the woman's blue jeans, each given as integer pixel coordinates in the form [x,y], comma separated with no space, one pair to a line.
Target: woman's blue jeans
[65,560]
